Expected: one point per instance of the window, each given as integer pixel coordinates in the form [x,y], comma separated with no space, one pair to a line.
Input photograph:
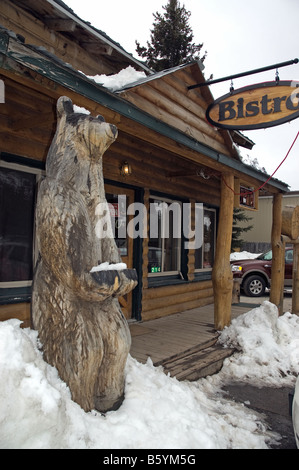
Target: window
[204,255]
[118,212]
[164,249]
[289,256]
[247,197]
[17,201]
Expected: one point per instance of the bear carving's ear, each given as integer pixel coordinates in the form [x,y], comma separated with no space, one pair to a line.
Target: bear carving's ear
[100,118]
[64,106]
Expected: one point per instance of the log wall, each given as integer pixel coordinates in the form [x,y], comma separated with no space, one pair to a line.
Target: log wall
[168,99]
[161,301]
[36,32]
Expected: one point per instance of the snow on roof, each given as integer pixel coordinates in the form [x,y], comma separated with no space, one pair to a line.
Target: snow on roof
[119,80]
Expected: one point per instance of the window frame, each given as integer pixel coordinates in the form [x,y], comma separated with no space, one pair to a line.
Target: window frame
[208,269]
[174,273]
[20,291]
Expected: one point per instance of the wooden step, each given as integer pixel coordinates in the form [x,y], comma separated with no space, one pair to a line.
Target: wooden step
[197,364]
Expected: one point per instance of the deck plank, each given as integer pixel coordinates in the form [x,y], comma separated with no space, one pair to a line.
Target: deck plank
[181,342]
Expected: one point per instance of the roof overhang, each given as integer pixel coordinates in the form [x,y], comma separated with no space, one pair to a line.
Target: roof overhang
[59,17]
[20,58]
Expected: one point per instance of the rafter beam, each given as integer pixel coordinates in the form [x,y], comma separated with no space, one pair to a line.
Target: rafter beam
[61,24]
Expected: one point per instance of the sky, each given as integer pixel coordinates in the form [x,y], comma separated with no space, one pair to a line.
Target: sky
[238,36]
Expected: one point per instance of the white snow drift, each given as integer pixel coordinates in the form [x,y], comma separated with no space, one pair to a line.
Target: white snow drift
[159,412]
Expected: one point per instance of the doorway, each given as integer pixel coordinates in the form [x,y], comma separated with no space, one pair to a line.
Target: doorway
[119,199]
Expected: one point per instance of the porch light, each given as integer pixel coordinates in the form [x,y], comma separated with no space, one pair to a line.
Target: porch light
[125,169]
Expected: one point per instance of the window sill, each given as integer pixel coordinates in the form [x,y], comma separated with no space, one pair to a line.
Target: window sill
[161,281]
[203,275]
[15,295]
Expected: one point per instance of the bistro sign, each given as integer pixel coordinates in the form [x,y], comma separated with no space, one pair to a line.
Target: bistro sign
[256,107]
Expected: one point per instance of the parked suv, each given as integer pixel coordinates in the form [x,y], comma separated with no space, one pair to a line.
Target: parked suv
[255,274]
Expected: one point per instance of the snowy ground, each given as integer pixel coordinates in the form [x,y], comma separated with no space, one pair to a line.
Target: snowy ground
[159,412]
[36,410]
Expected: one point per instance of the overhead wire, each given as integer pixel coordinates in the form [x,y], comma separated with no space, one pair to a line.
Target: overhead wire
[271,176]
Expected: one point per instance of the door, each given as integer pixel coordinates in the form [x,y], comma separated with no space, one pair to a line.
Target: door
[119,199]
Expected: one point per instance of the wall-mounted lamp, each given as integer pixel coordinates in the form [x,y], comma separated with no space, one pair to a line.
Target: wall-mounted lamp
[125,169]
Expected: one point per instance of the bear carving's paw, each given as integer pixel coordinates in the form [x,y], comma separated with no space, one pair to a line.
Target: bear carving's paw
[115,282]
[108,281]
[128,280]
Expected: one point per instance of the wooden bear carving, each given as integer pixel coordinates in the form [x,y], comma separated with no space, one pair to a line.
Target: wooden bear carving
[76,312]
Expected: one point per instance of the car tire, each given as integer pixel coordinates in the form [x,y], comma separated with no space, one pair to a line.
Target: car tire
[254,286]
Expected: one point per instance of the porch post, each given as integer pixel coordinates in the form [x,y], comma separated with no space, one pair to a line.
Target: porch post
[295,294]
[278,255]
[222,275]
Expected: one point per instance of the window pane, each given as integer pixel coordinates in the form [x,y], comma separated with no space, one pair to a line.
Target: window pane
[118,212]
[198,258]
[198,251]
[209,238]
[155,241]
[17,196]
[165,236]
[204,256]
[171,247]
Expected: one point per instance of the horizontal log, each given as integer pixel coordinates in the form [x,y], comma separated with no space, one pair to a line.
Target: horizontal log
[22,22]
[14,144]
[179,98]
[178,187]
[179,110]
[290,222]
[169,310]
[176,289]
[181,123]
[160,302]
[20,311]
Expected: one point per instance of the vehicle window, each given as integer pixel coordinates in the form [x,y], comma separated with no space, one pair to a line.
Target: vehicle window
[289,256]
[266,256]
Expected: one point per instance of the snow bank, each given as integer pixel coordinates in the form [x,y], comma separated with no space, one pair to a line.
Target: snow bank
[36,410]
[243,255]
[268,346]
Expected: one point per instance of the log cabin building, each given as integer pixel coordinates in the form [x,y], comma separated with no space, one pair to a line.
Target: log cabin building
[173,154]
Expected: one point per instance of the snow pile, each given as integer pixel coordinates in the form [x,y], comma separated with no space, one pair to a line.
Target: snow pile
[118,80]
[80,109]
[107,267]
[159,412]
[268,345]
[243,255]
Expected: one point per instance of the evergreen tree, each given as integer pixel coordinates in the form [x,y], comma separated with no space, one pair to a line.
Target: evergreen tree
[171,39]
[239,216]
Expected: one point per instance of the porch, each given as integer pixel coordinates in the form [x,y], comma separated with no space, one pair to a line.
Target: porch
[185,344]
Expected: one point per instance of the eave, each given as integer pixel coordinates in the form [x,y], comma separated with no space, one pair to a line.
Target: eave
[56,15]
[22,59]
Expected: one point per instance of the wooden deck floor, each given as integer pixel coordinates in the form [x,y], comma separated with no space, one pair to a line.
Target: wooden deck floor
[184,343]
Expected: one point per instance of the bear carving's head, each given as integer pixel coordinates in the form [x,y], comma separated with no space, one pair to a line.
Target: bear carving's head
[80,136]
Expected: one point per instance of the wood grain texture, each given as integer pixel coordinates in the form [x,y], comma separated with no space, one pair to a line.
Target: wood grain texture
[80,324]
